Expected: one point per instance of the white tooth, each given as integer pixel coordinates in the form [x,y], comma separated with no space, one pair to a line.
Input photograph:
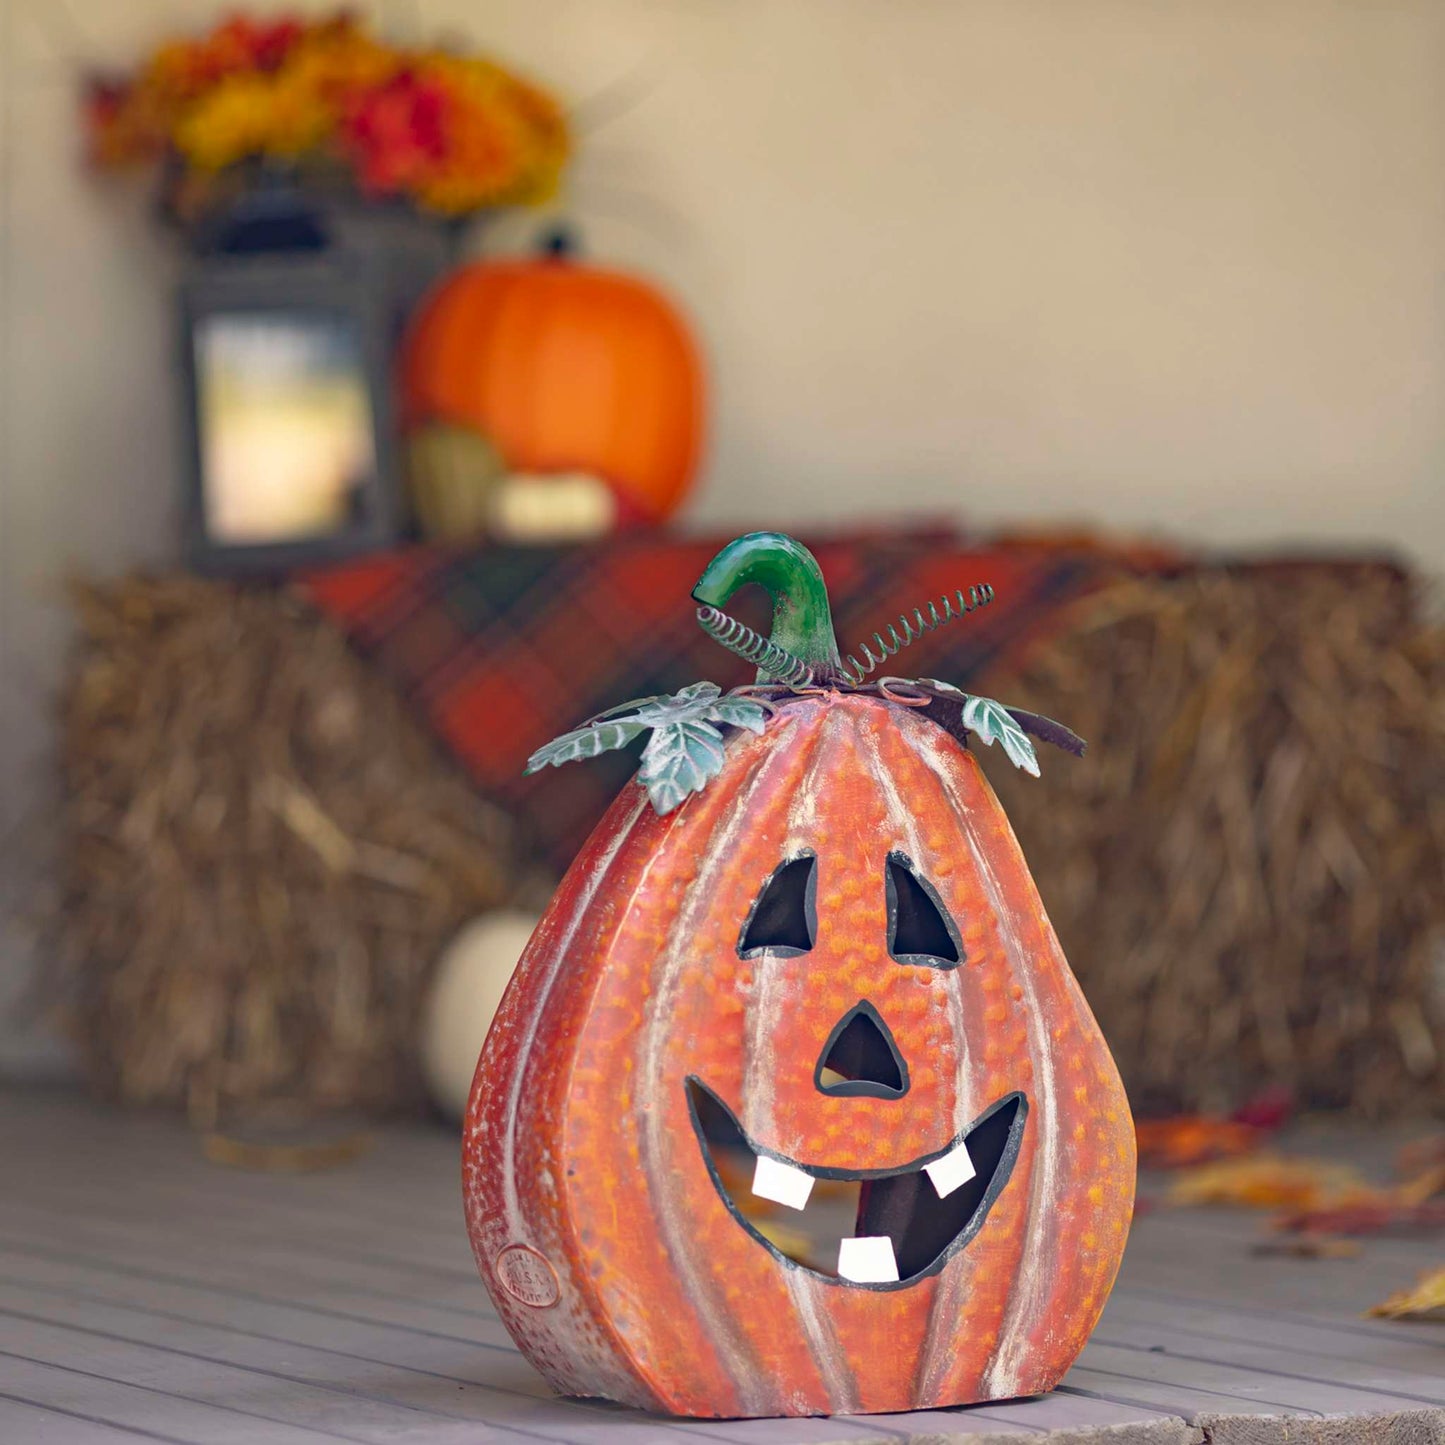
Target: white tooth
[867,1259]
[772,1179]
[953,1169]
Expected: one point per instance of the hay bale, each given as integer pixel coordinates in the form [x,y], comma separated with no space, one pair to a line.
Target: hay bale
[1247,870]
[261,855]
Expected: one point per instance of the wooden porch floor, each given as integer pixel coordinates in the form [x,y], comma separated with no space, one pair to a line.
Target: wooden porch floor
[146,1293]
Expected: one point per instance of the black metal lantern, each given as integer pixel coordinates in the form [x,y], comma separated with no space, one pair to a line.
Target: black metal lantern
[290,318]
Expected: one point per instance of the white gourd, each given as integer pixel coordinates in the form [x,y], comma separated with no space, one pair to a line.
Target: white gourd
[465,990]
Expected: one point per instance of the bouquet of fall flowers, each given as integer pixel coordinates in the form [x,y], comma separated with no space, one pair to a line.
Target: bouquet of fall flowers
[328,103]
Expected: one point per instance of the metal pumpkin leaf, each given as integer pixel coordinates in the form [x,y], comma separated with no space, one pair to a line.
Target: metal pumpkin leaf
[679,760]
[584,743]
[990,722]
[739,712]
[697,692]
[635,704]
[694,701]
[1035,724]
[685,751]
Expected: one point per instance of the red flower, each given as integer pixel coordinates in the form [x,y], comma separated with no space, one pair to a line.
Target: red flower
[271,44]
[241,43]
[397,131]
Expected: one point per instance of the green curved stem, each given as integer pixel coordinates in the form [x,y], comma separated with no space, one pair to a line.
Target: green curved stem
[802,619]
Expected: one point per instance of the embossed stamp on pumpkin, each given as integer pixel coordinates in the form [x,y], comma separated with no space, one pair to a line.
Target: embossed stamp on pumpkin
[793,1069]
[525,1275]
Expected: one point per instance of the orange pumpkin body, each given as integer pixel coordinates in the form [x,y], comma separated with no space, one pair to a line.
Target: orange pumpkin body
[563,367]
[603,1233]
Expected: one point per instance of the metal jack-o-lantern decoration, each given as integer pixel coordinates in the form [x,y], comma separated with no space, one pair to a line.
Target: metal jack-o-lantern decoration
[800,966]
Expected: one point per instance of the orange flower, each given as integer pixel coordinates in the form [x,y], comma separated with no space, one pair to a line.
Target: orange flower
[505,143]
[118,127]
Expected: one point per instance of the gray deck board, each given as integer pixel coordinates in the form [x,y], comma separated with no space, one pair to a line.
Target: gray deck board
[1410,1348]
[93,1394]
[1272,1392]
[51,1425]
[1407,1385]
[147,1294]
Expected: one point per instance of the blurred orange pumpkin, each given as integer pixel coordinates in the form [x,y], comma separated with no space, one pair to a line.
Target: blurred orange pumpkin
[564,367]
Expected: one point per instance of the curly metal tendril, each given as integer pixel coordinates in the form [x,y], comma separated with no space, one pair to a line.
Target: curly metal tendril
[913,626]
[738,637]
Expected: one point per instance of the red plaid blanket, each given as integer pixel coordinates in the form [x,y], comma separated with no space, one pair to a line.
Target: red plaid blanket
[502,648]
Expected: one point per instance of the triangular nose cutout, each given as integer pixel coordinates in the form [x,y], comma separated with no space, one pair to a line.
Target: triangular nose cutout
[860,1059]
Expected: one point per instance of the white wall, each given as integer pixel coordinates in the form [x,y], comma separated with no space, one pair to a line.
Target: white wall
[1158,264]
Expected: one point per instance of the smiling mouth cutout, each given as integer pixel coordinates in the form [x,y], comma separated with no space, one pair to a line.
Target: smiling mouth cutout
[907,1221]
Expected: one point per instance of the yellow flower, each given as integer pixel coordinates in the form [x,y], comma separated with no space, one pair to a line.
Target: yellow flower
[299,119]
[338,59]
[245,115]
[227,124]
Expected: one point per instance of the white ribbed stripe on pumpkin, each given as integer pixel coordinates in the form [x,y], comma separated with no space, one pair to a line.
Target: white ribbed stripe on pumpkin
[601,1367]
[951,980]
[654,1137]
[763,1025]
[807,1291]
[1041,1245]
[767,1001]
[541,996]
[956,1281]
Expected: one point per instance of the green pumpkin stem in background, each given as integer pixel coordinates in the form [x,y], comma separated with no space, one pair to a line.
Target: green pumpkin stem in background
[788,571]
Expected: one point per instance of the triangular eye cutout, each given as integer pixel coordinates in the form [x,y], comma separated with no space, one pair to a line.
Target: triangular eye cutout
[784,918]
[919,928]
